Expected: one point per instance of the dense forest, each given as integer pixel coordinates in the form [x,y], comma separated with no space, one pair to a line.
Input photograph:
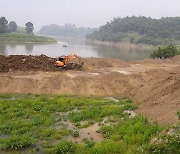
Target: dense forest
[139,30]
[66,30]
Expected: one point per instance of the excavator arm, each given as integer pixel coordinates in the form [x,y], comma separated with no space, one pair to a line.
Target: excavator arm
[74,56]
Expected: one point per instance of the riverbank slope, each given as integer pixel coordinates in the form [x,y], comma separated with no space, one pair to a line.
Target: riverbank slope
[25,38]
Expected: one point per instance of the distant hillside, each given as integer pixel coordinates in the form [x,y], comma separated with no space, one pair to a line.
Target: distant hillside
[139,30]
[66,30]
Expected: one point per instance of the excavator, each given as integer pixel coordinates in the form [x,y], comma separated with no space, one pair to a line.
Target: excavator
[69,62]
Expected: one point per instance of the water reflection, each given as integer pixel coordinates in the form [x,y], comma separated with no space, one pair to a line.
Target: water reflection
[124,52]
[2,49]
[12,46]
[29,47]
[79,46]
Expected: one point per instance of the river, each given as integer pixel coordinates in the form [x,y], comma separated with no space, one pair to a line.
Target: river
[80,46]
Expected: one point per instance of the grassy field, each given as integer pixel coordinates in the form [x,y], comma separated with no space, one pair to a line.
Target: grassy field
[24,38]
[53,124]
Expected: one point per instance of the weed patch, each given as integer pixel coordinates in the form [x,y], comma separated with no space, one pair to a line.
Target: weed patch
[65,147]
[48,123]
[168,142]
[16,142]
[178,114]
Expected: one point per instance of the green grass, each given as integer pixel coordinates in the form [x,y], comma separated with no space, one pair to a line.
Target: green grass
[24,38]
[27,122]
[178,114]
[168,142]
[17,142]
[65,147]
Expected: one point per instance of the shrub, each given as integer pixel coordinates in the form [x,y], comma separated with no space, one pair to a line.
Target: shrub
[63,132]
[75,133]
[17,142]
[106,131]
[65,147]
[89,143]
[166,52]
[178,113]
[109,147]
[48,132]
[167,143]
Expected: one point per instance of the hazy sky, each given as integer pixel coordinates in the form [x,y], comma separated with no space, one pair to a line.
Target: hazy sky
[87,13]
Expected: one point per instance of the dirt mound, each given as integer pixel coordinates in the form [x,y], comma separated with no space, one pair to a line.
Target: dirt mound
[176,59]
[27,63]
[157,94]
[47,64]
[98,63]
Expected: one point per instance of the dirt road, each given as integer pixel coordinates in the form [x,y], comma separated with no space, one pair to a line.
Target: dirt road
[154,85]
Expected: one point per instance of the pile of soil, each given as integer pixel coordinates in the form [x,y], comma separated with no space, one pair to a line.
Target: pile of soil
[43,63]
[47,64]
[27,63]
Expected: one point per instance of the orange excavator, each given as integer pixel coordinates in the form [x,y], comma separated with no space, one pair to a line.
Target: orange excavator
[69,62]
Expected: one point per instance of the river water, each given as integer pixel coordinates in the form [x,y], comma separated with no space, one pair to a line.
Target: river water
[79,46]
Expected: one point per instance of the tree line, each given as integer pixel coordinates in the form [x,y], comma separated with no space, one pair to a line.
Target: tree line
[66,30]
[8,27]
[139,30]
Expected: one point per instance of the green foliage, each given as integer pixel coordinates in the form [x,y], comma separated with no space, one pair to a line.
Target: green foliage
[89,143]
[106,131]
[65,147]
[63,132]
[12,26]
[58,134]
[29,28]
[132,131]
[166,52]
[21,30]
[178,113]
[16,142]
[3,25]
[75,133]
[27,120]
[139,30]
[167,143]
[17,37]
[35,116]
[109,146]
[48,132]
[98,111]
[5,96]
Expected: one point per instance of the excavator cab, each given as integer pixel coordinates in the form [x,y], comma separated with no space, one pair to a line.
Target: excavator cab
[60,62]
[69,61]
[62,59]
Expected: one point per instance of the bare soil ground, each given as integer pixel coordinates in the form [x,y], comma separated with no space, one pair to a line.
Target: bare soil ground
[154,85]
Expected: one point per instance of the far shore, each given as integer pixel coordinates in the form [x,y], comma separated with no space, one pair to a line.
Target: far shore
[20,42]
[120,44]
[24,38]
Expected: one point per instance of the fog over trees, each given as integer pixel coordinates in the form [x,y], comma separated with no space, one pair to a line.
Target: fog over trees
[139,30]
